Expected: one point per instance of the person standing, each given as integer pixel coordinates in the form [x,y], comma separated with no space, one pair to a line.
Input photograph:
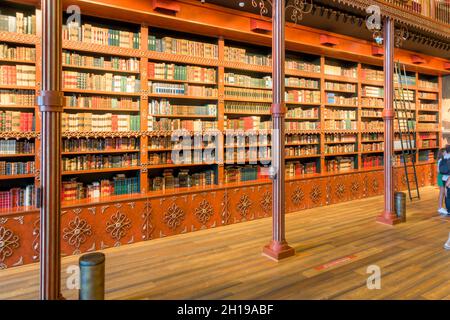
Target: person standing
[444,169]
[441,184]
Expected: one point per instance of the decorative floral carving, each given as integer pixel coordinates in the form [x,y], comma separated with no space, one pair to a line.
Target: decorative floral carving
[266,202]
[77,232]
[118,225]
[340,190]
[8,242]
[375,185]
[355,186]
[225,212]
[244,205]
[204,211]
[315,194]
[147,227]
[174,216]
[297,196]
[36,234]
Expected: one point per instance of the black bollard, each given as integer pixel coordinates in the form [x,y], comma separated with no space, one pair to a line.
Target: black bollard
[400,205]
[92,276]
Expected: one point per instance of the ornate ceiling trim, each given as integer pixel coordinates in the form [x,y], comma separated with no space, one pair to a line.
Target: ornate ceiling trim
[401,16]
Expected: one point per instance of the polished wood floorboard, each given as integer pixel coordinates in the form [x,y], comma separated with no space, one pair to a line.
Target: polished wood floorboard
[334,245]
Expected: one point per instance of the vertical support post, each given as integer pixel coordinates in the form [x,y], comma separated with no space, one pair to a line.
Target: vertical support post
[278,248]
[388,216]
[50,102]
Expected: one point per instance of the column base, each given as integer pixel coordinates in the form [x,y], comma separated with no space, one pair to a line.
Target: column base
[278,251]
[389,219]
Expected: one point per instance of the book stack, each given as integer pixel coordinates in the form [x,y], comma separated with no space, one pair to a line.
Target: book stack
[297,168]
[17,53]
[428,96]
[303,113]
[14,168]
[177,124]
[95,162]
[163,107]
[340,164]
[302,138]
[16,121]
[170,71]
[18,197]
[428,84]
[17,97]
[182,89]
[302,82]
[247,81]
[20,23]
[245,93]
[241,55]
[100,82]
[183,47]
[184,179]
[16,147]
[338,70]
[373,92]
[340,86]
[19,75]
[334,99]
[103,36]
[100,122]
[295,64]
[103,144]
[101,102]
[303,125]
[372,74]
[246,107]
[372,161]
[302,96]
[120,64]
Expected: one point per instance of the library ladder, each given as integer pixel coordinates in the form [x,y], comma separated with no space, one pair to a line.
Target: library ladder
[406,118]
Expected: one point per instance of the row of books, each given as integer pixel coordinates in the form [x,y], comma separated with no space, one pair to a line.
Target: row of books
[247,123]
[427,155]
[256,140]
[302,96]
[100,102]
[235,174]
[97,144]
[408,80]
[338,70]
[372,125]
[428,117]
[20,23]
[246,107]
[249,155]
[427,143]
[372,102]
[301,151]
[100,161]
[296,64]
[428,95]
[16,121]
[302,82]
[336,99]
[372,74]
[246,93]
[19,197]
[340,164]
[341,137]
[428,135]
[179,157]
[340,125]
[100,122]
[429,106]
[119,185]
[427,127]
[339,114]
[14,146]
[170,71]
[17,52]
[301,138]
[371,113]
[372,136]
[183,47]
[428,84]
[176,124]
[17,97]
[372,161]
[88,33]
[405,95]
[164,107]
[339,148]
[241,55]
[303,113]
[18,75]
[168,142]
[15,168]
[247,81]
[373,92]
[340,86]
[184,179]
[298,168]
[376,146]
[121,64]
[303,125]
[182,89]
[100,82]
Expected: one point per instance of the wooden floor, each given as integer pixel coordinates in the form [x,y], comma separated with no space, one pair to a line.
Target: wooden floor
[334,244]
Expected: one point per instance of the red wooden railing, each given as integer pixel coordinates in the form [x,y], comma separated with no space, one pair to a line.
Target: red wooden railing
[435,9]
